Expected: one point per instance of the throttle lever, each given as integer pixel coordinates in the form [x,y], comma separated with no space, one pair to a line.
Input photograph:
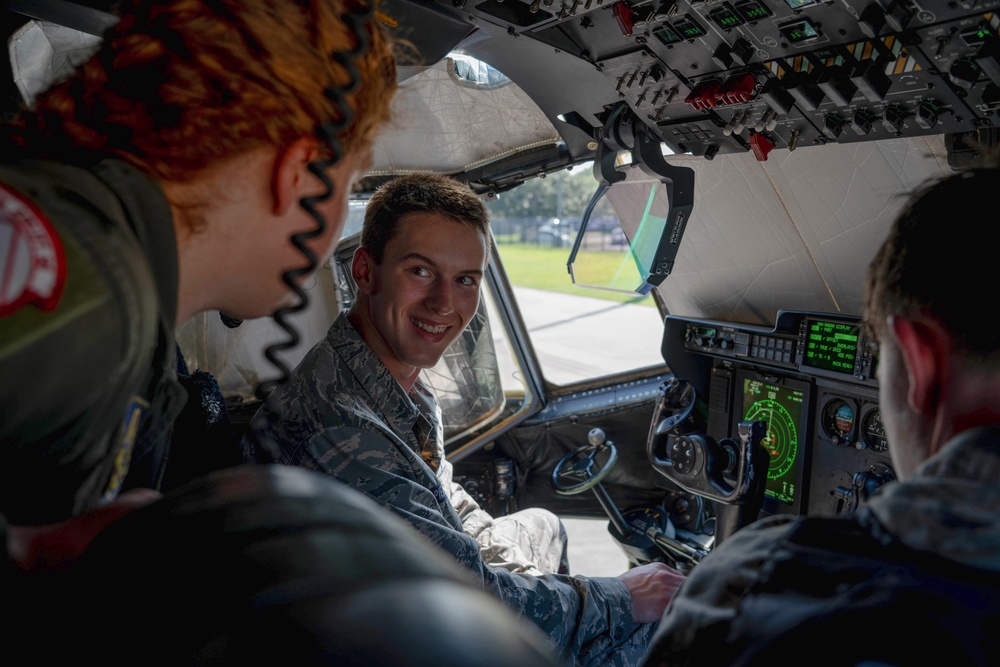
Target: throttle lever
[673,548]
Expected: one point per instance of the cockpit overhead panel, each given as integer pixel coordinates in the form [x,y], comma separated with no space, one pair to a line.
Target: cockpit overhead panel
[711,77]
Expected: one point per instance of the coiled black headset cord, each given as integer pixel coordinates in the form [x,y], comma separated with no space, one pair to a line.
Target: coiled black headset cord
[355,20]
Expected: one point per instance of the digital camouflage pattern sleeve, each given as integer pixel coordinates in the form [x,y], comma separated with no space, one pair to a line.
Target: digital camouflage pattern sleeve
[342,413]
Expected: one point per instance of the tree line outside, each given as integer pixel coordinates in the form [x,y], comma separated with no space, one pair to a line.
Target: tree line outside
[536,223]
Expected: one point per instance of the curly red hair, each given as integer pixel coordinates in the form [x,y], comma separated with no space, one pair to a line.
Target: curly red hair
[180,84]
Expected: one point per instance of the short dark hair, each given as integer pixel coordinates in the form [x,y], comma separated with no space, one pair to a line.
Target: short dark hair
[420,192]
[939,261]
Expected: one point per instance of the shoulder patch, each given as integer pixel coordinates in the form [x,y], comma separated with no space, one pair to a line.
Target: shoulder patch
[32,261]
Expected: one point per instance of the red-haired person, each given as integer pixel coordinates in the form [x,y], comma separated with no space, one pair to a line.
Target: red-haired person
[163,178]
[166,176]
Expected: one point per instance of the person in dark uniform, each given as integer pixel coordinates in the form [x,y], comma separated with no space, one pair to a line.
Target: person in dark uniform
[151,186]
[165,177]
[923,551]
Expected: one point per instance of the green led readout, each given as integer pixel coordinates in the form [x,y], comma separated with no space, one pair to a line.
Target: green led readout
[753,10]
[725,18]
[687,28]
[977,36]
[800,31]
[667,35]
[831,346]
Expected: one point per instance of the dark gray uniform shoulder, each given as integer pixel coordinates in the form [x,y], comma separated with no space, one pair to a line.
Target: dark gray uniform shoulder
[73,364]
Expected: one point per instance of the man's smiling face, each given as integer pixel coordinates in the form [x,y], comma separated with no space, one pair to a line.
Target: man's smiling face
[423,294]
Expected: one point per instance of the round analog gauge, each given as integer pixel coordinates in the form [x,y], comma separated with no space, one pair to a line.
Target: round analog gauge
[838,420]
[782,438]
[873,432]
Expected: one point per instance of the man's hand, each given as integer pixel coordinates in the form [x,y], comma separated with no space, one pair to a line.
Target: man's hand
[52,547]
[652,586]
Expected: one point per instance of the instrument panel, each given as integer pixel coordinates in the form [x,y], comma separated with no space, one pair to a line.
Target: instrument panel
[812,379]
[710,77]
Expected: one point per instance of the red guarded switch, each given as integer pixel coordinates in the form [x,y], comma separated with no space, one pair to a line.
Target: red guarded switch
[761,146]
[624,18]
[737,90]
[704,95]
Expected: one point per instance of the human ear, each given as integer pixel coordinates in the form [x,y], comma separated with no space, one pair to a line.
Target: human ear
[925,351]
[361,270]
[289,173]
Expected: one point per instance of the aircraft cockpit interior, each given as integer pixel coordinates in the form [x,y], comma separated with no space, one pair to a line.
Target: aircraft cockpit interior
[753,153]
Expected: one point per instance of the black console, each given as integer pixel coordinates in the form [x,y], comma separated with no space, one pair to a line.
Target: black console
[811,378]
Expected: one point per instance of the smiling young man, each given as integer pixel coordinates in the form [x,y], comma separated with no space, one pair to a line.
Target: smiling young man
[355,409]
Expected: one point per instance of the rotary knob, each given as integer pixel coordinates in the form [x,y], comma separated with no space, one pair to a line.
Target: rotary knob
[964,73]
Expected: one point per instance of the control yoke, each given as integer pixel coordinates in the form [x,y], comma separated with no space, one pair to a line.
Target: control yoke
[732,471]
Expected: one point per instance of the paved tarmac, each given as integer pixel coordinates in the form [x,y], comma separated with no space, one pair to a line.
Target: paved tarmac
[592,550]
[577,338]
[582,337]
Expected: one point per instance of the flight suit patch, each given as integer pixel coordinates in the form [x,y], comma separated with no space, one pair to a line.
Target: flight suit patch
[32,261]
[128,434]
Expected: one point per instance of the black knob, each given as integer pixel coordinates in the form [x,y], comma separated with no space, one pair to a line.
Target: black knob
[964,73]
[926,115]
[892,119]
[833,125]
[861,122]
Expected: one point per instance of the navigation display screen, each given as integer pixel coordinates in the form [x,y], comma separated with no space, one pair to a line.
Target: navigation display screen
[782,405]
[831,346]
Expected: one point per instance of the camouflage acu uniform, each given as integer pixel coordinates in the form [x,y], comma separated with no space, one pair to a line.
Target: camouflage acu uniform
[342,413]
[532,541]
[947,513]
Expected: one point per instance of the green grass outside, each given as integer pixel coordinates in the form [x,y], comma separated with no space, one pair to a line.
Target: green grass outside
[544,267]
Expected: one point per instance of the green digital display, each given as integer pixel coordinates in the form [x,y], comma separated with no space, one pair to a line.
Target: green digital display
[667,36]
[831,346]
[726,18]
[976,37]
[780,405]
[798,32]
[687,28]
[753,11]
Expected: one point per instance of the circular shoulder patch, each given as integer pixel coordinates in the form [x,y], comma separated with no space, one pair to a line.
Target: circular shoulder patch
[32,262]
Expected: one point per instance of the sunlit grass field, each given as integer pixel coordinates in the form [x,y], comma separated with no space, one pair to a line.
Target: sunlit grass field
[544,267]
